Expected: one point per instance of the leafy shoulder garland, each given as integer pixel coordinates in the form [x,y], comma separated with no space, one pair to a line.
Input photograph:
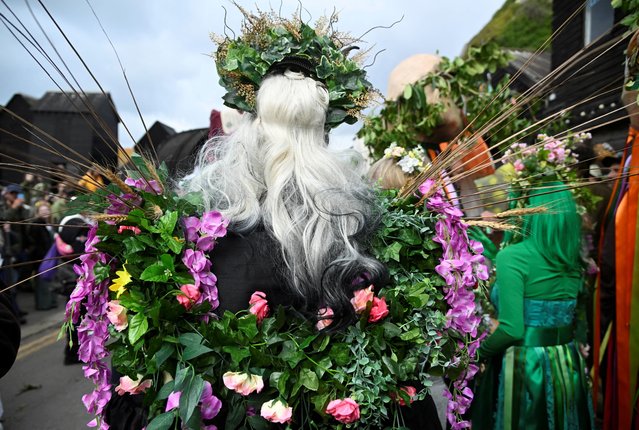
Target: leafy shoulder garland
[148,300]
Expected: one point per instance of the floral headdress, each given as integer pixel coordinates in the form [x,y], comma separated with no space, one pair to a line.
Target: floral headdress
[269,43]
[410,161]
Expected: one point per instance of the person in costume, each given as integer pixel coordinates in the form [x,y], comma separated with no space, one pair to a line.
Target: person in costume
[616,345]
[533,355]
[301,216]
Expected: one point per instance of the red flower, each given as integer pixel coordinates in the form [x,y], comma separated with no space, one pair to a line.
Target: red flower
[379,310]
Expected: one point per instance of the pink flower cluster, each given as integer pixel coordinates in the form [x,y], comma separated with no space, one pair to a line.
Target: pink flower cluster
[203,231]
[204,288]
[558,151]
[461,266]
[93,330]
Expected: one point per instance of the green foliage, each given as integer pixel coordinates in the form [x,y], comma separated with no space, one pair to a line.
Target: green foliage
[523,25]
[631,7]
[179,348]
[268,39]
[410,120]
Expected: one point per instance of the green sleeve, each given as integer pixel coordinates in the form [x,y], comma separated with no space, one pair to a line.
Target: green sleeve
[510,281]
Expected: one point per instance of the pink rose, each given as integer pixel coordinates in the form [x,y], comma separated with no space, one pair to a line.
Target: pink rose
[411,391]
[189,295]
[276,411]
[518,165]
[243,383]
[361,298]
[116,313]
[379,310]
[128,385]
[134,229]
[173,401]
[323,318]
[259,305]
[344,410]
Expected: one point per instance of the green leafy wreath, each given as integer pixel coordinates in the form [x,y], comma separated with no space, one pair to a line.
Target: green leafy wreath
[267,39]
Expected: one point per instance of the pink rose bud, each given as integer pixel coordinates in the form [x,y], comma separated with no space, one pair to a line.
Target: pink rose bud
[344,410]
[259,305]
[116,313]
[379,310]
[243,383]
[323,318]
[189,295]
[361,299]
[132,228]
[128,385]
[411,391]
[276,411]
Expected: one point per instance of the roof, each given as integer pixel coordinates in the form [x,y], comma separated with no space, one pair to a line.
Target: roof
[179,150]
[56,101]
[538,67]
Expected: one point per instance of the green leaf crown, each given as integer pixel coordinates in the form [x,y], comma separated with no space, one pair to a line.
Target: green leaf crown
[268,39]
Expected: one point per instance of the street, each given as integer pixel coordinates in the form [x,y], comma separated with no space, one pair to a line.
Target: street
[40,392]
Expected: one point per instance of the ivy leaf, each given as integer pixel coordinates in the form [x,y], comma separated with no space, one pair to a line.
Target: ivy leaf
[248,325]
[309,379]
[258,423]
[172,243]
[191,352]
[138,326]
[162,421]
[237,354]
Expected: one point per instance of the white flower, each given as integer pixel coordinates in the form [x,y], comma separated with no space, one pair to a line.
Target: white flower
[408,164]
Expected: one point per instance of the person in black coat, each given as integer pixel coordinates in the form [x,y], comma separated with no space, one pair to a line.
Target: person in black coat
[9,333]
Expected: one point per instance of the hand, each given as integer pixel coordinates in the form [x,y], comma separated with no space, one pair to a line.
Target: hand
[584,350]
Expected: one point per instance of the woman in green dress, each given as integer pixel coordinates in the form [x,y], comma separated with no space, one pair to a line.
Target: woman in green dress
[533,356]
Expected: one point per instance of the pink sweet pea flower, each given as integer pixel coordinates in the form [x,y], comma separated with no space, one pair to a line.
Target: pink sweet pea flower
[188,296]
[323,318]
[213,224]
[361,299]
[344,410]
[173,401]
[211,405]
[128,385]
[426,187]
[259,305]
[379,310]
[276,411]
[116,313]
[411,391]
[191,226]
[243,383]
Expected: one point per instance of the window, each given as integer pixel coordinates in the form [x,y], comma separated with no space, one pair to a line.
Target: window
[599,18]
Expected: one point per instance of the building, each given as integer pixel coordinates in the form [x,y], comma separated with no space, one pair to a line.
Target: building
[58,129]
[588,63]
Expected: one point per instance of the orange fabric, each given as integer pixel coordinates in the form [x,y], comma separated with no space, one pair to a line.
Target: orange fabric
[478,159]
[625,232]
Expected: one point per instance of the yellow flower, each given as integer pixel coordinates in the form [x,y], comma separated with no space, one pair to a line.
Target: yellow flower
[118,283]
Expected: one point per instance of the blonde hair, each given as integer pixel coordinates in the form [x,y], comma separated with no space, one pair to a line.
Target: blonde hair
[387,174]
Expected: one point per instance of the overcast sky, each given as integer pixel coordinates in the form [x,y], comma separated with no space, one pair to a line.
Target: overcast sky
[164,47]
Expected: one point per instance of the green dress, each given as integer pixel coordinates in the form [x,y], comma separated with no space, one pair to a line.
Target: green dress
[533,355]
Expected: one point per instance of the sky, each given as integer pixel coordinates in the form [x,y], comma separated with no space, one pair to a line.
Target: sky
[165,48]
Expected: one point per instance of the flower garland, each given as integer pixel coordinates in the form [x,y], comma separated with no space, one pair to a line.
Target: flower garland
[92,293]
[462,266]
[147,288]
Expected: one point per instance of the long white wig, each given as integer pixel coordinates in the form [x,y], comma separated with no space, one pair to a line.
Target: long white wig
[276,171]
